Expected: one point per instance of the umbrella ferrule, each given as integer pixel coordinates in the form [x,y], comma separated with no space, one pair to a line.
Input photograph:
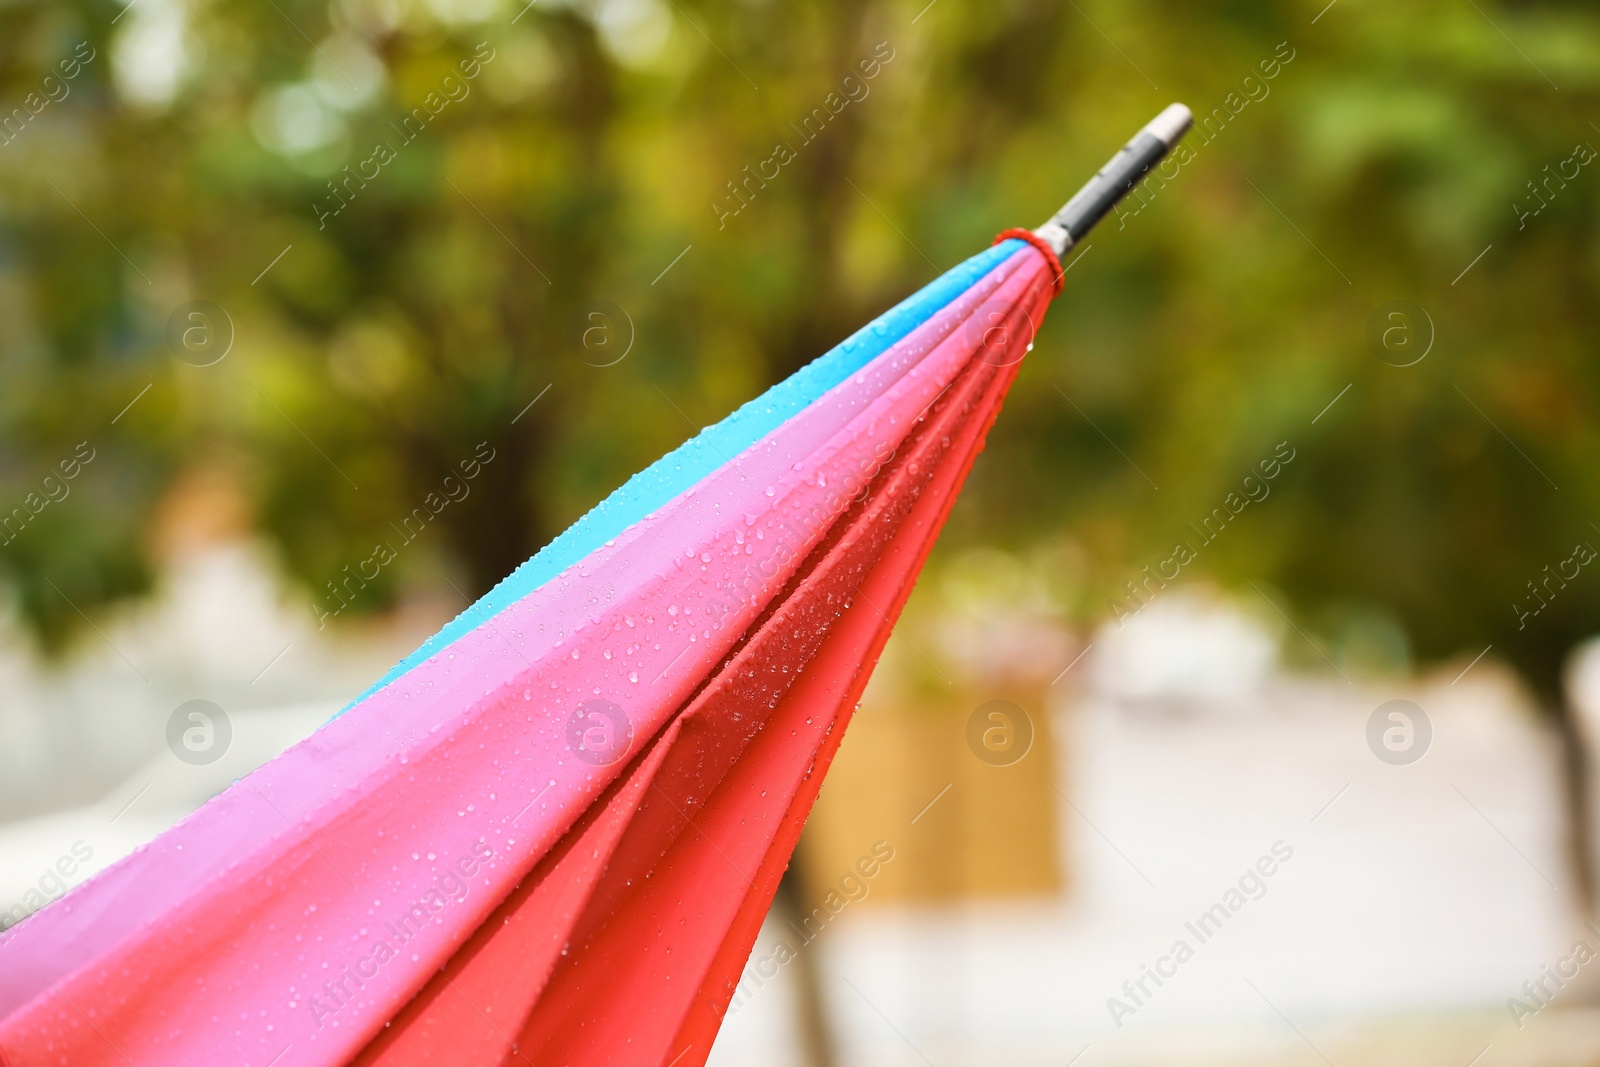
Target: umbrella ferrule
[1116,179]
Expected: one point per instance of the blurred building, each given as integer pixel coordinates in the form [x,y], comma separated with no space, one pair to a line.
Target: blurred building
[1407,904]
[973,905]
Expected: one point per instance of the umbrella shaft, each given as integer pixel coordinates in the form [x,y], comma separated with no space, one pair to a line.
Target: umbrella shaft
[1116,179]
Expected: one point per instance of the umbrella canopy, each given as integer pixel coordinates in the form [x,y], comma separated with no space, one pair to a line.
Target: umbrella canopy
[550,835]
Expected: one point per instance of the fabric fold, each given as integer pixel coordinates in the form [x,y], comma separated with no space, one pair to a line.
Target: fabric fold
[581,791]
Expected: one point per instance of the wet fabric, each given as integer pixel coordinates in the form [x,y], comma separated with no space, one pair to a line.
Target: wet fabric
[551,833]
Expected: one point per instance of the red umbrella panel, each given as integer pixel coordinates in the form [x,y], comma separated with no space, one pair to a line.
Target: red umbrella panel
[551,835]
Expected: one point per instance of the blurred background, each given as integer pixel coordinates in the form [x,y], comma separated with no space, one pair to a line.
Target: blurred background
[1260,627]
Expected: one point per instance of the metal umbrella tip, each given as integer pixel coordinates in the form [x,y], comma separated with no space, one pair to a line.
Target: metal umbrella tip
[1169,126]
[1116,179]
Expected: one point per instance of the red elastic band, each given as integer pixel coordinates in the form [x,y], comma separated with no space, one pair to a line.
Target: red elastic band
[1057,275]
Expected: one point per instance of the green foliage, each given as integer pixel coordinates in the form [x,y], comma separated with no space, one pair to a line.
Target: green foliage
[596,145]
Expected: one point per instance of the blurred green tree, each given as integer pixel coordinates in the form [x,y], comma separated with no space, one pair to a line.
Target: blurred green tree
[411,214]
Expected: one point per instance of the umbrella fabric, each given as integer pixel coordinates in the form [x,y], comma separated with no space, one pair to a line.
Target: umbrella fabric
[807,667]
[576,799]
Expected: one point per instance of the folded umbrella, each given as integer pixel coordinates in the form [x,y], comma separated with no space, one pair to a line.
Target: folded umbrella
[550,835]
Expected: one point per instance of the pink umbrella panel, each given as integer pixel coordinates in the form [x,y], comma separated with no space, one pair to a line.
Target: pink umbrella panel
[551,834]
